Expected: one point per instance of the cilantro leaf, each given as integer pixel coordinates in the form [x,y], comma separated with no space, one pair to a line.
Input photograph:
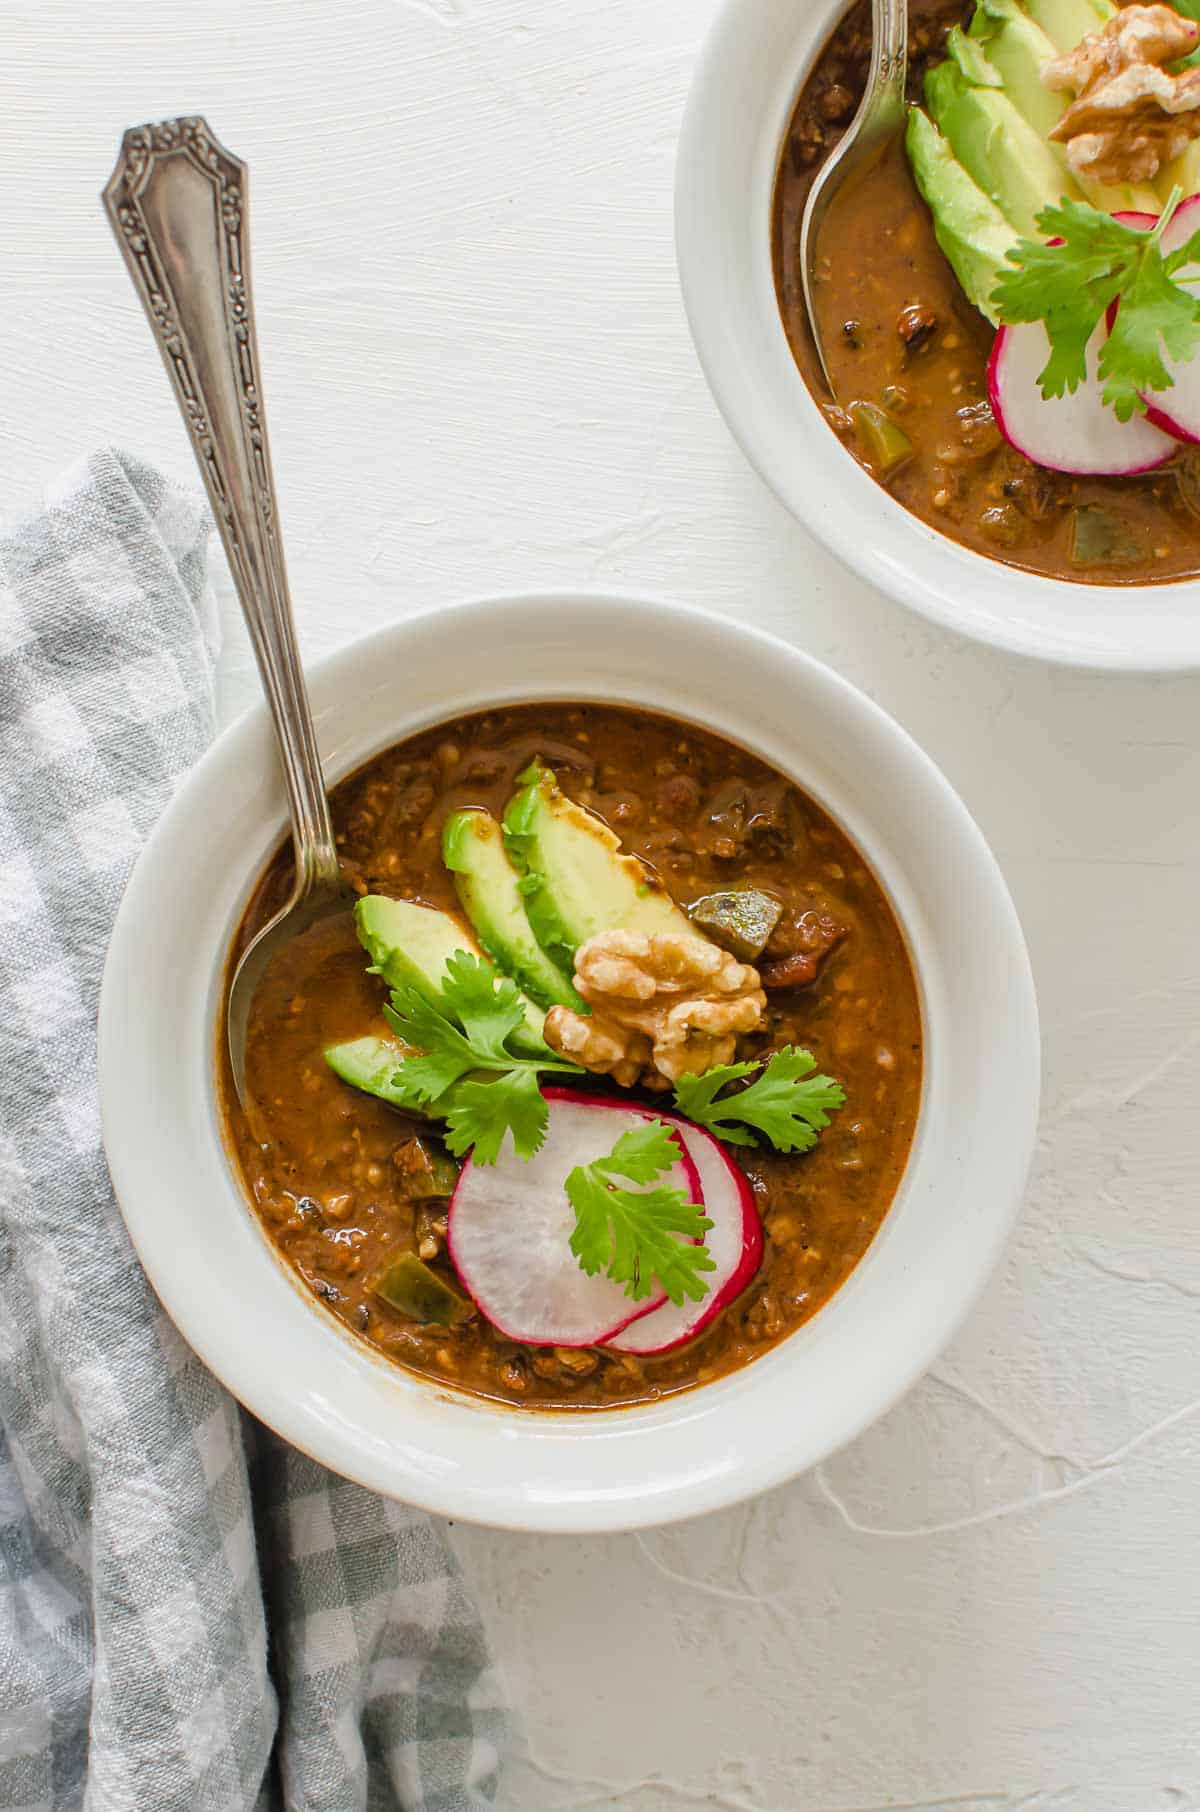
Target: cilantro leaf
[787,1105]
[484,1111]
[642,1153]
[638,1235]
[1149,319]
[630,1234]
[443,1052]
[695,1096]
[1070,287]
[462,1067]
[422,1081]
[488,1008]
[1187,253]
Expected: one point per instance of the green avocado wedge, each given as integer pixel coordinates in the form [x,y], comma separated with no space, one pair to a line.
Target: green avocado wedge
[973,60]
[996,146]
[576,880]
[410,945]
[490,895]
[1067,22]
[971,230]
[369,1064]
[1017,50]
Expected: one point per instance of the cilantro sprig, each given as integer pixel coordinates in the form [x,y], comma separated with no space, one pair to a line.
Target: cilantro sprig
[634,1234]
[787,1105]
[464,1067]
[1071,286]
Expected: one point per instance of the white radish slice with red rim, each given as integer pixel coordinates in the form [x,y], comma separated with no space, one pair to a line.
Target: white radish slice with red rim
[510,1226]
[1175,411]
[734,1242]
[1076,433]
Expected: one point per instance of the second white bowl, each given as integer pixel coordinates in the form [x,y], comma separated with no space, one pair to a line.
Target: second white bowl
[755,60]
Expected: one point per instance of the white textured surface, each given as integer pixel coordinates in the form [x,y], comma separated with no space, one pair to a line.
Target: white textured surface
[479,379]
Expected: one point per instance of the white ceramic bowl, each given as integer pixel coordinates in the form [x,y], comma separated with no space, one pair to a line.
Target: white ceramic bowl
[291,1363]
[752,66]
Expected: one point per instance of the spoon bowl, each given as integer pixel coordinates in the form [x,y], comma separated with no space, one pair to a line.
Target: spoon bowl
[300,914]
[880,117]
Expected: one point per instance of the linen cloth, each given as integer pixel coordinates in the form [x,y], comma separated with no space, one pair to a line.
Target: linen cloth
[193,1616]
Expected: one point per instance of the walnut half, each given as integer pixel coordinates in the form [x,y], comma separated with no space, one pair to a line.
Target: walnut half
[662,1005]
[1130,115]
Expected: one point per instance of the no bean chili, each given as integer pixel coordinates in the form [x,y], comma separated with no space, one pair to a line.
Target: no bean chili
[329,1171]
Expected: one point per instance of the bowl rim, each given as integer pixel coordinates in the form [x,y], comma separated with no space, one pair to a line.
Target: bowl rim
[748,74]
[520,1504]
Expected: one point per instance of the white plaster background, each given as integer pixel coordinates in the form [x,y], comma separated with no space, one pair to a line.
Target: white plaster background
[480,379]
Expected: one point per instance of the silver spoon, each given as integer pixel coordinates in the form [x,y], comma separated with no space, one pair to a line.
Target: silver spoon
[880,117]
[177,203]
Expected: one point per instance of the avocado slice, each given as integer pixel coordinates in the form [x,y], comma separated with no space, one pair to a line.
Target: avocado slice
[1018,50]
[1067,22]
[971,230]
[368,1064]
[1183,172]
[996,146]
[972,58]
[410,946]
[575,878]
[488,887]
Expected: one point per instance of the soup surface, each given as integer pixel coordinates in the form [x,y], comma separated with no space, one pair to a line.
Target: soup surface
[901,336]
[329,1169]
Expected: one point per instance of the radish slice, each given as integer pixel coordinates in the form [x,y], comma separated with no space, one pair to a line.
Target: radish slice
[1074,433]
[734,1241]
[510,1228]
[1175,411]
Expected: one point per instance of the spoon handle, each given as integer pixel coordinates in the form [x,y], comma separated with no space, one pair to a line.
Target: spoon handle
[177,204]
[889,54]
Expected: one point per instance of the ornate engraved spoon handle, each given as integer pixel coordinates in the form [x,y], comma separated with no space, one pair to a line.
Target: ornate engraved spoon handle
[177,203]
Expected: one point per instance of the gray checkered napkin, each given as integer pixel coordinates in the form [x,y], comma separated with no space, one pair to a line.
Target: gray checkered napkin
[193,1617]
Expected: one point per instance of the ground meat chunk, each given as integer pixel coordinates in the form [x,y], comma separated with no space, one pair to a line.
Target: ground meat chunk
[837,103]
[564,1365]
[798,948]
[410,804]
[1031,489]
[805,146]
[787,972]
[1001,524]
[738,817]
[769,819]
[677,797]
